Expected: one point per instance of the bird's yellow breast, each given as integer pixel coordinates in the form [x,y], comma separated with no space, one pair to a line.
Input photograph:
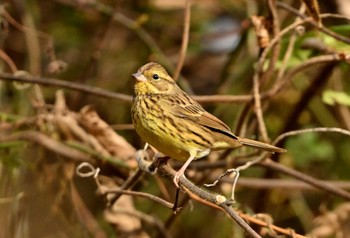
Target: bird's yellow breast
[171,137]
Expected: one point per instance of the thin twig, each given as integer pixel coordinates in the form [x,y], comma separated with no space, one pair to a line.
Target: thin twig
[297,69]
[140,194]
[68,85]
[262,223]
[259,183]
[315,24]
[289,50]
[128,184]
[185,37]
[8,60]
[277,47]
[268,163]
[236,172]
[257,107]
[224,98]
[311,130]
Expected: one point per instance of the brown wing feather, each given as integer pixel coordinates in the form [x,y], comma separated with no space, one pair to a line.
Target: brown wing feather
[210,121]
[192,111]
[196,113]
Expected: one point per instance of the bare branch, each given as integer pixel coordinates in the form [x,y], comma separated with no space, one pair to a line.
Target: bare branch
[185,37]
[268,163]
[68,85]
[48,143]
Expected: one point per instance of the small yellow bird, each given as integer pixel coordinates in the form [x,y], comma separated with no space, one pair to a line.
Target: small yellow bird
[175,124]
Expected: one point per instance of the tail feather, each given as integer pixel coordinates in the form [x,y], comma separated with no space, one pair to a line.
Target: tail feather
[261,145]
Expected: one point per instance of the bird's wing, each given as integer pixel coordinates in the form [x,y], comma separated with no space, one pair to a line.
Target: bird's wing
[194,112]
[197,114]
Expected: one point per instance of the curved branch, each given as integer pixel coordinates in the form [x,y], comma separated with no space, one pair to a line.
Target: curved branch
[315,24]
[268,163]
[310,62]
[139,194]
[48,143]
[117,96]
[68,85]
[212,199]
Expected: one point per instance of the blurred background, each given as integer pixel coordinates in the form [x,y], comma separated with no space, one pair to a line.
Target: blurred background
[101,43]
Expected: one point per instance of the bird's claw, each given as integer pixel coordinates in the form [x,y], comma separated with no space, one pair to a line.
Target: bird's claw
[177,179]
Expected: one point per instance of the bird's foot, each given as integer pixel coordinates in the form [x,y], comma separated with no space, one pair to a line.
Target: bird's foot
[176,178]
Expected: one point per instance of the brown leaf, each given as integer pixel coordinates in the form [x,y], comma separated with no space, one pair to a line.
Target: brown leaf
[115,144]
[261,30]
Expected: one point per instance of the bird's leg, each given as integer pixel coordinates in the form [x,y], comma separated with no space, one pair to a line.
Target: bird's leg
[182,170]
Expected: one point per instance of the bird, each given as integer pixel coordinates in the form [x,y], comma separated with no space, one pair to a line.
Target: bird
[175,124]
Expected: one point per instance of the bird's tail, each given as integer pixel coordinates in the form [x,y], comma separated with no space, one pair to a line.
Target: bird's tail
[261,145]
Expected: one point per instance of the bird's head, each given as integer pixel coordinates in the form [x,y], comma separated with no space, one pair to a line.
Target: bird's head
[152,78]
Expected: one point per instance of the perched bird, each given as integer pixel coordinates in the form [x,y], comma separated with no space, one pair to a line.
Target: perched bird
[175,124]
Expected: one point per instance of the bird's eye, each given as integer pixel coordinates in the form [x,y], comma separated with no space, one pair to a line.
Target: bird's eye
[155,76]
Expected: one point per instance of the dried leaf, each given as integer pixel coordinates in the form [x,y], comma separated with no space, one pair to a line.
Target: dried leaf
[261,30]
[115,144]
[333,223]
[128,226]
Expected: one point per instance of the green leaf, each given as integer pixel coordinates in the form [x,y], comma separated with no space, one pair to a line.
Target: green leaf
[332,97]
[309,148]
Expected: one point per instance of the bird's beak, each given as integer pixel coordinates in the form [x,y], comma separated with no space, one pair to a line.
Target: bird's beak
[139,77]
